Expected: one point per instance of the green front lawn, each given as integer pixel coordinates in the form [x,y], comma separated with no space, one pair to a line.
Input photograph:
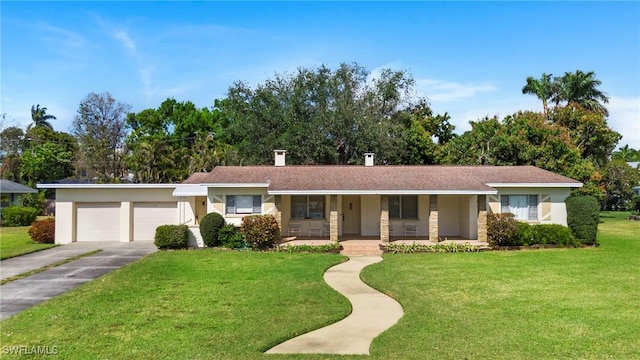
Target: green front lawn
[16,241]
[540,304]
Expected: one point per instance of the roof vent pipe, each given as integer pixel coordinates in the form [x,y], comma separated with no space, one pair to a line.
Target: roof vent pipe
[280,157]
[368,159]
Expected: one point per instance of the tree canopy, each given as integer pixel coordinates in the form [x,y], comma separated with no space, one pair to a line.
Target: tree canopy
[322,116]
[100,128]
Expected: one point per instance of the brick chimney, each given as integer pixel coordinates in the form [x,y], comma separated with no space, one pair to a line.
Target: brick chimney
[280,157]
[368,159]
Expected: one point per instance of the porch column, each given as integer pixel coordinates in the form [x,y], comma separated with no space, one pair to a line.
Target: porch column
[482,218]
[277,202]
[384,218]
[333,217]
[433,218]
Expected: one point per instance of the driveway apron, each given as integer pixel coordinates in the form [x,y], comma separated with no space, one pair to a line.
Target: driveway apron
[24,293]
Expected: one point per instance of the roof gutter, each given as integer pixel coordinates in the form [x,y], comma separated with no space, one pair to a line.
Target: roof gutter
[543,185]
[382,192]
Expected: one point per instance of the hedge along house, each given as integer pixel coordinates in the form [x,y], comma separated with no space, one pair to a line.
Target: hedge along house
[330,201]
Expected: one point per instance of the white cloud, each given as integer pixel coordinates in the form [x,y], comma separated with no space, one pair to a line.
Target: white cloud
[125,39]
[624,117]
[444,91]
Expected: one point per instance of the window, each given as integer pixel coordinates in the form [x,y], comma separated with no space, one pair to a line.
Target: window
[524,207]
[307,206]
[244,204]
[403,207]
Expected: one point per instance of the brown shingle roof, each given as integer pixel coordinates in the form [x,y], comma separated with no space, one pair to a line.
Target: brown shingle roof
[378,178]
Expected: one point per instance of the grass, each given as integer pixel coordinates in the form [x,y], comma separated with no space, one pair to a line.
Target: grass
[15,241]
[539,304]
[186,305]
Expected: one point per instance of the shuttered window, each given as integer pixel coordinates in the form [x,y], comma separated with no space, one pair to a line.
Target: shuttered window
[524,207]
[244,204]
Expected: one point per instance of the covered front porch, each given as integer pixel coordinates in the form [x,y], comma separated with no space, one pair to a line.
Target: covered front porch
[428,218]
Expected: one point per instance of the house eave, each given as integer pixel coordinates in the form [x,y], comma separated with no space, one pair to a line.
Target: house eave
[106,186]
[235,185]
[536,185]
[382,192]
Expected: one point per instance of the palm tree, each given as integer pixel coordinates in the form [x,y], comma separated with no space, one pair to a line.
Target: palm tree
[40,117]
[581,88]
[626,153]
[543,88]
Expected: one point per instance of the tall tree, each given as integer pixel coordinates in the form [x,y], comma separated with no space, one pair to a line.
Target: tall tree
[581,88]
[100,128]
[626,153]
[40,117]
[46,163]
[320,115]
[164,142]
[587,130]
[543,88]
[11,141]
[619,180]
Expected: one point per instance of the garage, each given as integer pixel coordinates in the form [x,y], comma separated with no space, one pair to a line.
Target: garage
[98,221]
[147,216]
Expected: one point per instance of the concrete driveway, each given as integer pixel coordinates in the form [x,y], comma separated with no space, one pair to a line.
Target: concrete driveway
[22,294]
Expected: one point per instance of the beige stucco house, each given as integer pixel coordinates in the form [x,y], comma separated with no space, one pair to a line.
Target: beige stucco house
[335,202]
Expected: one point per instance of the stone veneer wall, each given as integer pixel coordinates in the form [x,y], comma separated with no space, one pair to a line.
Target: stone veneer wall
[482,218]
[384,218]
[433,218]
[333,218]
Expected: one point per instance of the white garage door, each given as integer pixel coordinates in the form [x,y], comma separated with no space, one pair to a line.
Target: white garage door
[98,222]
[147,216]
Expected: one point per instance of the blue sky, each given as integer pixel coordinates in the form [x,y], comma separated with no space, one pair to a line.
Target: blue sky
[470,59]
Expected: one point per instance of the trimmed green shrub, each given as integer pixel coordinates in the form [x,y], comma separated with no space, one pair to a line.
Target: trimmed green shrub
[525,234]
[583,215]
[171,237]
[43,231]
[553,234]
[230,237]
[260,231]
[502,229]
[210,225]
[333,247]
[19,215]
[437,248]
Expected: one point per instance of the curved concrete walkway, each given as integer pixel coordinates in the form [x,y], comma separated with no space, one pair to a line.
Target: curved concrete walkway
[372,313]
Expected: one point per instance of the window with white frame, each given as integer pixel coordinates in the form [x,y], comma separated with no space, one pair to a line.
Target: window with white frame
[244,204]
[403,207]
[307,206]
[524,207]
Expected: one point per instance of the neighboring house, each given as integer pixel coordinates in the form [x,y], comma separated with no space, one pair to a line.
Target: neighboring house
[12,193]
[336,202]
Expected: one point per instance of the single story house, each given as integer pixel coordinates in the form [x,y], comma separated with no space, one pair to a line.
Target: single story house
[12,193]
[331,201]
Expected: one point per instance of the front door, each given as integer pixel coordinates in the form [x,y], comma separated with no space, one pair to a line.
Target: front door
[201,208]
[351,215]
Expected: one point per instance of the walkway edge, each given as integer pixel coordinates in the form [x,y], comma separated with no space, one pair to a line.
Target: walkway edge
[372,313]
